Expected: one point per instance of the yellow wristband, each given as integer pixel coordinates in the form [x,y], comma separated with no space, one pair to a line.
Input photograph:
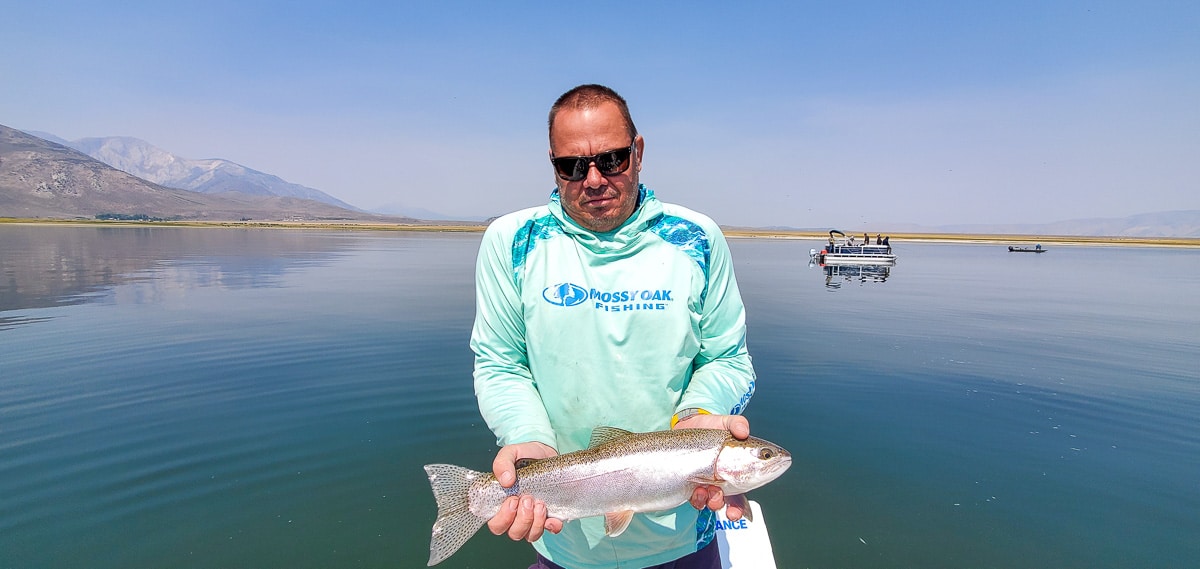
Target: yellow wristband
[685,413]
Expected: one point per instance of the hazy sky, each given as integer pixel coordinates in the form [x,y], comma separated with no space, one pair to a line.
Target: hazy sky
[806,114]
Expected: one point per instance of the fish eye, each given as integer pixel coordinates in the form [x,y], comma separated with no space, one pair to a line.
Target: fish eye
[765,453]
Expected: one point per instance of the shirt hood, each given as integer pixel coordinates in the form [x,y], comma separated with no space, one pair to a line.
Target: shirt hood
[647,211]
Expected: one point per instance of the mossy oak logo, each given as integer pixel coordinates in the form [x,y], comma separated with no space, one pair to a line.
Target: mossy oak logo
[565,294]
[569,294]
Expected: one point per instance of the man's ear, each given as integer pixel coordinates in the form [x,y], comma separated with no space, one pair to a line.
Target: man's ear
[639,145]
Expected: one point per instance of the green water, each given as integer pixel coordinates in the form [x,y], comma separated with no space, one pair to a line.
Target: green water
[237,398]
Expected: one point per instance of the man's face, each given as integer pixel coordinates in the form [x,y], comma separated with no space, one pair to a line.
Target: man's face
[599,203]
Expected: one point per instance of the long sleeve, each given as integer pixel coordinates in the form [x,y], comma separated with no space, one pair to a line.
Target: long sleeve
[504,386]
[723,376]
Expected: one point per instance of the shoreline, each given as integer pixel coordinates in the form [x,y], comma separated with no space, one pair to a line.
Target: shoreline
[983,238]
[730,232]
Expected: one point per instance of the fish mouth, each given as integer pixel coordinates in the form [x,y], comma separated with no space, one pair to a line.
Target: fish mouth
[780,466]
[777,467]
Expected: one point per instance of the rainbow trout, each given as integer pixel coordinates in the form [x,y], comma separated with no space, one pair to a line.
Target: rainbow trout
[620,473]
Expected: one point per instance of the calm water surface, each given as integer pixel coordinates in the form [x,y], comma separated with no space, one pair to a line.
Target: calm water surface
[239,398]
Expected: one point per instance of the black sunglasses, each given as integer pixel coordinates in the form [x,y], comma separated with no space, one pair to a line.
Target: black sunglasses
[575,168]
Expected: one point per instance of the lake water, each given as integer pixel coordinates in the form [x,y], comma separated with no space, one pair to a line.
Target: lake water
[218,398]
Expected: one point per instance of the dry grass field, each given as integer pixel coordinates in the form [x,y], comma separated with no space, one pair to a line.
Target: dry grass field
[985,238]
[729,232]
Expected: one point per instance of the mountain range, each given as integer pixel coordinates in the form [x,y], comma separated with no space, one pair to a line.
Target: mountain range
[126,177]
[42,175]
[1182,223]
[210,176]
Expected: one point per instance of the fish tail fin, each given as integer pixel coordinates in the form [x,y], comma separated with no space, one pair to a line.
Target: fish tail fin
[455,523]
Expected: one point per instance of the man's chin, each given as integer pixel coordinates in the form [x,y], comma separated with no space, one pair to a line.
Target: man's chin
[601,223]
[598,219]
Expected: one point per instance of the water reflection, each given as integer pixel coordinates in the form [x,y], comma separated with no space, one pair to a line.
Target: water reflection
[943,424]
[49,266]
[836,275]
[7,322]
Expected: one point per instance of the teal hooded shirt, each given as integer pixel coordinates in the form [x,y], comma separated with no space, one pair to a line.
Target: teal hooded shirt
[576,330]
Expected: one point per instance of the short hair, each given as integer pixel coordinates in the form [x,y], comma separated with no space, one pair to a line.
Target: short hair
[589,97]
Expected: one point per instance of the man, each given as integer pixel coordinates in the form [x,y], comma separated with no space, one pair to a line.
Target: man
[606,307]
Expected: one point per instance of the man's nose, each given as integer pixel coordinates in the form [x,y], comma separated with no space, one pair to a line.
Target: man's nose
[594,178]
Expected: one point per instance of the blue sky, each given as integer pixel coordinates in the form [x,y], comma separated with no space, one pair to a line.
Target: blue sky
[805,114]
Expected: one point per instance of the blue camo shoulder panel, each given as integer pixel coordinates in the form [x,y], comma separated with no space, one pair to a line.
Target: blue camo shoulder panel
[527,238]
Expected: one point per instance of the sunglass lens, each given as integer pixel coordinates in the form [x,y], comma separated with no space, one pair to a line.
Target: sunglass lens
[571,169]
[613,162]
[575,168]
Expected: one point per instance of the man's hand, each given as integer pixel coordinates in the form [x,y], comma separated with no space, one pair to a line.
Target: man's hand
[521,517]
[711,496]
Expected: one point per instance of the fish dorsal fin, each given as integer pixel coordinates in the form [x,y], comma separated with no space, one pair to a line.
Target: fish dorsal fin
[605,435]
[615,523]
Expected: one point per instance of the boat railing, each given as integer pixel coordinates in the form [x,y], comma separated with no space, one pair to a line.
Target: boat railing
[844,249]
[847,249]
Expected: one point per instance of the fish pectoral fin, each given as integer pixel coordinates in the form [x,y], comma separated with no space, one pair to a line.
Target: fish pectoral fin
[707,481]
[615,523]
[740,501]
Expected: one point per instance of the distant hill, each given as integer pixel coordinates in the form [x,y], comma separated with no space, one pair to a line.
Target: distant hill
[208,176]
[1184,223]
[40,178]
[56,180]
[422,213]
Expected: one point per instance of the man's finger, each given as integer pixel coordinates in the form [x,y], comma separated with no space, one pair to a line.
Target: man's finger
[524,520]
[503,519]
[732,512]
[716,498]
[539,522]
[503,466]
[737,506]
[738,425]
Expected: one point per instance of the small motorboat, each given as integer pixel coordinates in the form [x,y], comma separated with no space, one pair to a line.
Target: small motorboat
[1037,249]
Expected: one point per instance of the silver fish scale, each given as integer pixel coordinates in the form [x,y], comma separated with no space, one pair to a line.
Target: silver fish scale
[642,472]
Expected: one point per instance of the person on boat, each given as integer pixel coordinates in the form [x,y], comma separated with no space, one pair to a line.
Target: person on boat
[1039,247]
[878,241]
[606,307]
